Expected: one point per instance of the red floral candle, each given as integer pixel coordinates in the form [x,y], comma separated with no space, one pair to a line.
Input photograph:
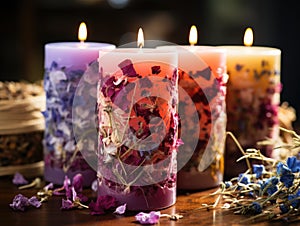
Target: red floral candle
[202,112]
[138,125]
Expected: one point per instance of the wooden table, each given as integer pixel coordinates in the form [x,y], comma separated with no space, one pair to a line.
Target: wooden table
[51,214]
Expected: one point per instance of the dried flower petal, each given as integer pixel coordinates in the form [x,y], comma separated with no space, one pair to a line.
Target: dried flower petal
[148,218]
[34,202]
[127,68]
[120,209]
[48,187]
[94,185]
[77,182]
[258,169]
[293,163]
[66,204]
[20,202]
[19,179]
[102,204]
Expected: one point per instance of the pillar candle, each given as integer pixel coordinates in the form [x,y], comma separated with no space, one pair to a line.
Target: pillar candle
[65,64]
[138,125]
[202,90]
[253,100]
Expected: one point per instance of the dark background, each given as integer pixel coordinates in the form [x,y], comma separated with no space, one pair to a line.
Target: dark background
[26,25]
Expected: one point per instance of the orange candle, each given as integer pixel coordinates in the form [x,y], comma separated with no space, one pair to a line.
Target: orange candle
[202,90]
[253,98]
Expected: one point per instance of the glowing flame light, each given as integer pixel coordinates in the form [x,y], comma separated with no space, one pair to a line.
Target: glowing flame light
[193,38]
[248,37]
[82,32]
[140,38]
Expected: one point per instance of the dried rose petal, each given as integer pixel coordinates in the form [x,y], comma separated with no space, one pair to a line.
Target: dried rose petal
[120,209]
[148,218]
[19,179]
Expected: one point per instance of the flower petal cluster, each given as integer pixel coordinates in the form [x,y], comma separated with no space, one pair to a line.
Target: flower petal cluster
[21,202]
[148,218]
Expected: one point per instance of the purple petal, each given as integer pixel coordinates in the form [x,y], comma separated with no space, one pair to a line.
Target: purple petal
[19,179]
[95,208]
[127,68]
[95,185]
[48,187]
[78,182]
[20,202]
[34,202]
[66,204]
[102,204]
[74,194]
[148,218]
[121,209]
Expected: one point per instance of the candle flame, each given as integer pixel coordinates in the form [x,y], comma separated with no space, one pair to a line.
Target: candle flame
[193,38]
[248,37]
[140,38]
[82,32]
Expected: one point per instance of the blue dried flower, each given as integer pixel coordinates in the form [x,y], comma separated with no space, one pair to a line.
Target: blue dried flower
[228,184]
[284,208]
[293,163]
[258,169]
[283,169]
[243,178]
[270,185]
[287,179]
[256,207]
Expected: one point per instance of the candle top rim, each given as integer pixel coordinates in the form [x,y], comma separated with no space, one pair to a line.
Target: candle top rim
[200,48]
[138,51]
[251,49]
[72,45]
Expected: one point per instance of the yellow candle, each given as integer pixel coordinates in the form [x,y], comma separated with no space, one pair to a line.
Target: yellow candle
[253,98]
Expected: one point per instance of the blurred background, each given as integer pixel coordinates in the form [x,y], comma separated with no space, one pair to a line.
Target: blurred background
[27,25]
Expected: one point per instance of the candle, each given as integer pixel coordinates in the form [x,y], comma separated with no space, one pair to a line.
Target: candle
[138,124]
[202,90]
[65,64]
[253,99]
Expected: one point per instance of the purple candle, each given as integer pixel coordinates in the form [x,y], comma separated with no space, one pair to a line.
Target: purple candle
[65,64]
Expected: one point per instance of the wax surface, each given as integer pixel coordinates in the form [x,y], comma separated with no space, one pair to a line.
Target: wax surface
[202,90]
[138,126]
[65,65]
[252,101]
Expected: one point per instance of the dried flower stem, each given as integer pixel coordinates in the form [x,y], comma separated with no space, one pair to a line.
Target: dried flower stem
[240,148]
